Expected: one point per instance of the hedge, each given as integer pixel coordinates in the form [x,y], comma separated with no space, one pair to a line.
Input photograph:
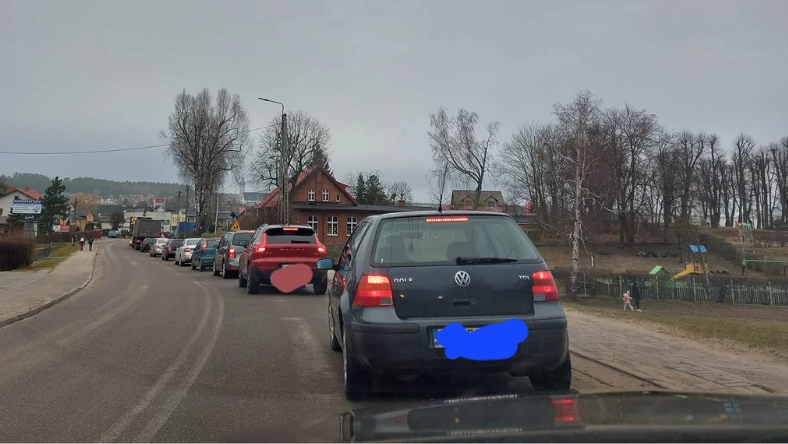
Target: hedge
[15,253]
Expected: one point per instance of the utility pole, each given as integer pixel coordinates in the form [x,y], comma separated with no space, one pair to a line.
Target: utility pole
[186,215]
[74,214]
[216,222]
[285,178]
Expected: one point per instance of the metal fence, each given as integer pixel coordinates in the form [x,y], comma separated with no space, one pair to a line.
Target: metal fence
[721,289]
[43,251]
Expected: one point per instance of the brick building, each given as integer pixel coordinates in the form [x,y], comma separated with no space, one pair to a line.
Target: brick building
[322,202]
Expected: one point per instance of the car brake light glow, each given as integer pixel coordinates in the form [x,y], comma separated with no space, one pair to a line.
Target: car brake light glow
[259,250]
[447,219]
[544,288]
[290,228]
[231,253]
[186,250]
[565,411]
[374,290]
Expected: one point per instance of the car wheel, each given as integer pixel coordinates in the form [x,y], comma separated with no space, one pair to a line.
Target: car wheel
[215,271]
[358,379]
[332,334]
[200,267]
[241,281]
[192,264]
[225,273]
[556,379]
[251,285]
[321,287]
[177,262]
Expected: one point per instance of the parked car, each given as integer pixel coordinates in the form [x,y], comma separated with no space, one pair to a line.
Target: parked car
[112,234]
[183,254]
[203,253]
[146,244]
[225,262]
[277,246]
[158,246]
[471,268]
[169,249]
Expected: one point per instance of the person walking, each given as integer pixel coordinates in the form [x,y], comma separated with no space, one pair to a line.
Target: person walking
[73,239]
[627,301]
[82,243]
[90,243]
[636,295]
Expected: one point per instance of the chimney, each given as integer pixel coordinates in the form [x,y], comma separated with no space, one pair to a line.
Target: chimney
[400,203]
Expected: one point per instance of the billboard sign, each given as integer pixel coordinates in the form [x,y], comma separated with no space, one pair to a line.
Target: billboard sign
[159,201]
[26,207]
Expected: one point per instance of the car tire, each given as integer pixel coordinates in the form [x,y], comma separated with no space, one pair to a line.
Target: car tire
[358,379]
[241,280]
[252,286]
[192,265]
[215,271]
[332,334]
[559,378]
[225,273]
[176,260]
[320,287]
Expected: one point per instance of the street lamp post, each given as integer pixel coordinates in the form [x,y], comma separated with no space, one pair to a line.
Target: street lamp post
[284,206]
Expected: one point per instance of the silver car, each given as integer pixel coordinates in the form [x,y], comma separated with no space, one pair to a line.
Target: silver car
[158,247]
[183,255]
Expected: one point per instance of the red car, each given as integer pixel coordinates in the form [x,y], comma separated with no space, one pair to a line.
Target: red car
[277,246]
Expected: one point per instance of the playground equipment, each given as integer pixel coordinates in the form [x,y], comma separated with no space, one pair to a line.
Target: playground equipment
[744,263]
[697,263]
[745,233]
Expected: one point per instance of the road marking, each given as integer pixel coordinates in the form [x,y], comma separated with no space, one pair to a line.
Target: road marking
[133,262]
[124,421]
[163,414]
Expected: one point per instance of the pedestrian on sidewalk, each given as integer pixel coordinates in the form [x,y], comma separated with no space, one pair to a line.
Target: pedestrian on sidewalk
[73,239]
[82,243]
[627,301]
[90,243]
[636,295]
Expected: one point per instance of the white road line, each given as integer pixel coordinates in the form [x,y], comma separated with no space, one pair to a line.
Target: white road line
[163,414]
[124,421]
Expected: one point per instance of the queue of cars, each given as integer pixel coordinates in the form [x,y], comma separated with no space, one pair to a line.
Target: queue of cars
[400,280]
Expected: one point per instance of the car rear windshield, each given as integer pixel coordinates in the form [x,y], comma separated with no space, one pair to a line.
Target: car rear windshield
[238,237]
[175,242]
[290,235]
[440,240]
[212,243]
[192,241]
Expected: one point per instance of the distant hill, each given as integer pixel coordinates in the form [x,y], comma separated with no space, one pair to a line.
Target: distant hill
[89,185]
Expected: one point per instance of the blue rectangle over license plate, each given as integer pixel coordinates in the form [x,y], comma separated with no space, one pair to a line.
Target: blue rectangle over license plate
[435,334]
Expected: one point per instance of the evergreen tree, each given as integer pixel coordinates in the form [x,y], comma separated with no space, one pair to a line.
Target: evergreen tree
[320,156]
[54,206]
[375,193]
[361,189]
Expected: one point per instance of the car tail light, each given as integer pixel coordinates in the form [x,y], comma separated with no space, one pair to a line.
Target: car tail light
[259,250]
[374,290]
[204,247]
[565,411]
[290,228]
[186,250]
[447,219]
[231,253]
[320,247]
[544,288]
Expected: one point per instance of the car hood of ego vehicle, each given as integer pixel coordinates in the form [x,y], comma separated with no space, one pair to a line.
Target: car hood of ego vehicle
[643,416]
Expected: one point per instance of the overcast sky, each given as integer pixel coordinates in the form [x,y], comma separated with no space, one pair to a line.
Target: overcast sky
[92,75]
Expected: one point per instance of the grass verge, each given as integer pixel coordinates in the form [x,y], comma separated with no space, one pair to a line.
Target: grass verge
[59,254]
[763,328]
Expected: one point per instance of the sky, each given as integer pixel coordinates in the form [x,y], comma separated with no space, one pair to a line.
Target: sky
[95,75]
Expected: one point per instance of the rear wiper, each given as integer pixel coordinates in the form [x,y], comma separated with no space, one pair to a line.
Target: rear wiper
[484,260]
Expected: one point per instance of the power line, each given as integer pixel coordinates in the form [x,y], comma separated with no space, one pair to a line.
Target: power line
[115,150]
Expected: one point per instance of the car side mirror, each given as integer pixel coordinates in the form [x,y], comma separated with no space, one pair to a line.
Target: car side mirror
[326,263]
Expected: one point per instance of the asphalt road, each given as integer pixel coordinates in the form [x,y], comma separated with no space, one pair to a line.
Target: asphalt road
[150,351]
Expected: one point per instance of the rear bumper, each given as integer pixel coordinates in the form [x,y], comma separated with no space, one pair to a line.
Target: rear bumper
[186,256]
[408,347]
[231,264]
[263,277]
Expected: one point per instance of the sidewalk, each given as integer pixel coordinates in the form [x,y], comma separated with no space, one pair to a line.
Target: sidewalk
[672,362]
[24,294]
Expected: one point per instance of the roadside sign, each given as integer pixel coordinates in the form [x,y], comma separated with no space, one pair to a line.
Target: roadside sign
[26,207]
[132,219]
[235,227]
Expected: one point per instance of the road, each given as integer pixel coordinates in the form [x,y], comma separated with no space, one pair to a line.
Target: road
[150,351]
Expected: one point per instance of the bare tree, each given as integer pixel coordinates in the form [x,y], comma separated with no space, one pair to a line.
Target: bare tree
[741,158]
[308,142]
[206,138]
[438,180]
[399,190]
[453,142]
[577,121]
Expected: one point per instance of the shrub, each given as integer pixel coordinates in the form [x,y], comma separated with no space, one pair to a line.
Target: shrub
[15,252]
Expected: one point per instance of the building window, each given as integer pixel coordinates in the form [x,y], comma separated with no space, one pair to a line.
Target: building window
[312,222]
[351,225]
[491,203]
[332,226]
[311,196]
[338,198]
[325,196]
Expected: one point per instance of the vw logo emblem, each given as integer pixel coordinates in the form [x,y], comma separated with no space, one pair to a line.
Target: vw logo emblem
[462,278]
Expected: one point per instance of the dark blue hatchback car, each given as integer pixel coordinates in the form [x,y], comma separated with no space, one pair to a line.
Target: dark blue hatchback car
[403,277]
